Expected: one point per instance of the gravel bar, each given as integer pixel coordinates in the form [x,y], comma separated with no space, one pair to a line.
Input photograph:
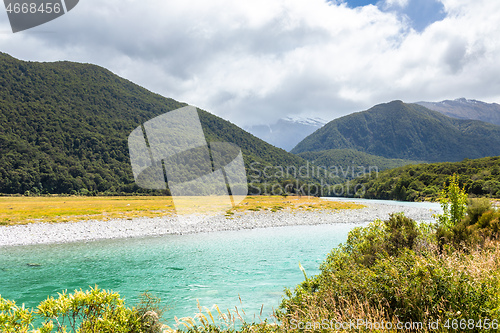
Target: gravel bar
[90,230]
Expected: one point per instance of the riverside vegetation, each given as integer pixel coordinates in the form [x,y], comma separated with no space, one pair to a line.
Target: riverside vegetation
[394,272]
[479,177]
[94,310]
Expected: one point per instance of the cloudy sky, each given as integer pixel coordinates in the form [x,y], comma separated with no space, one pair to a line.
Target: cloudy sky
[253,62]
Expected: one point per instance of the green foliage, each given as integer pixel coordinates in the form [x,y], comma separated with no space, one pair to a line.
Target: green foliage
[476,208]
[425,181]
[463,224]
[381,239]
[481,224]
[91,311]
[14,319]
[393,271]
[453,201]
[64,129]
[406,131]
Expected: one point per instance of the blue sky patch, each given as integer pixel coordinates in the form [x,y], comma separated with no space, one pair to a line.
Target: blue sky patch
[422,13]
[360,3]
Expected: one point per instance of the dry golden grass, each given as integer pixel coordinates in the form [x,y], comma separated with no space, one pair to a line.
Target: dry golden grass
[294,203]
[22,210]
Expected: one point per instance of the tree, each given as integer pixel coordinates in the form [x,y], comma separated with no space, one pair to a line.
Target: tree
[453,200]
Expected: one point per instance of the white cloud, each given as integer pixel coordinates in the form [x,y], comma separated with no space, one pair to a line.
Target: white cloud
[255,62]
[398,3]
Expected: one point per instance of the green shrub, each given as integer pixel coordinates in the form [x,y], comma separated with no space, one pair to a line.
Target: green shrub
[392,271]
[13,318]
[488,225]
[480,225]
[381,238]
[422,288]
[475,208]
[94,310]
[91,311]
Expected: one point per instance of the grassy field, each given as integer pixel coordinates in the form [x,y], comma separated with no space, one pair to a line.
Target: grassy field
[22,210]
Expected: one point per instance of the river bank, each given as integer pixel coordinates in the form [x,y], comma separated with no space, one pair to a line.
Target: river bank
[90,230]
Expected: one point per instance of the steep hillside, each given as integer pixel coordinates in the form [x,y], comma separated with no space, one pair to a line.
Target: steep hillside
[64,128]
[406,131]
[348,160]
[467,109]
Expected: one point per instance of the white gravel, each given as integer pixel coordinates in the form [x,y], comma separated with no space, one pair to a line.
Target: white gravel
[43,233]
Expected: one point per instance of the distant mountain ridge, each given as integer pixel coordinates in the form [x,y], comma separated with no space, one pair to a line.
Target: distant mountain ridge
[467,109]
[64,128]
[287,132]
[406,131]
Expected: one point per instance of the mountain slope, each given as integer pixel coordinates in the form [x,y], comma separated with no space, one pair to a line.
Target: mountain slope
[467,109]
[286,133]
[351,161]
[406,131]
[64,128]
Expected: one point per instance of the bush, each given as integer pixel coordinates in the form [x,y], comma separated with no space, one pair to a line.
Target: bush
[476,208]
[488,226]
[480,225]
[382,238]
[392,271]
[89,311]
[149,311]
[14,318]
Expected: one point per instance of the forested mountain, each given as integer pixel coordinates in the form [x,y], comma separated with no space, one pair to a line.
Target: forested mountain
[64,128]
[349,159]
[406,131]
[467,109]
[480,177]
